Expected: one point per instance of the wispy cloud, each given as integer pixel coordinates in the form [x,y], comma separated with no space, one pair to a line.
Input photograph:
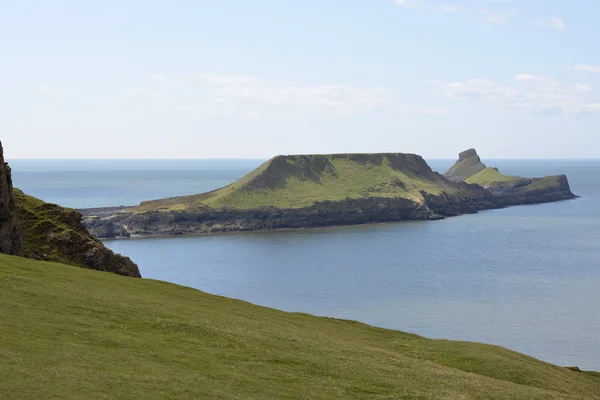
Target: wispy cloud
[473,7]
[407,3]
[552,23]
[531,93]
[140,92]
[585,68]
[250,96]
[496,17]
[557,23]
[59,91]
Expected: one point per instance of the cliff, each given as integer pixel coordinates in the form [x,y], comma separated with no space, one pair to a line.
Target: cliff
[34,229]
[10,230]
[54,233]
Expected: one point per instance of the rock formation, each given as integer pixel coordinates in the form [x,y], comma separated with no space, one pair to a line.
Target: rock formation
[10,235]
[509,190]
[468,164]
[55,233]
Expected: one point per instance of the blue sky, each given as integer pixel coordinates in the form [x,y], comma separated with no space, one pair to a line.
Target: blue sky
[241,79]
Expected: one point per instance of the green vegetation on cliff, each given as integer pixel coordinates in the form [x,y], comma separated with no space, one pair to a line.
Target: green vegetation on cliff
[71,333]
[301,181]
[54,233]
[491,175]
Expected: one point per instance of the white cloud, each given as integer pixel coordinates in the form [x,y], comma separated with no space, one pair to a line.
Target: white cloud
[159,77]
[249,93]
[59,91]
[557,23]
[497,17]
[533,94]
[249,96]
[406,3]
[552,23]
[140,92]
[449,8]
[585,68]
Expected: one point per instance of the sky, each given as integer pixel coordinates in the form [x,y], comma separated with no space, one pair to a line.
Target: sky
[253,79]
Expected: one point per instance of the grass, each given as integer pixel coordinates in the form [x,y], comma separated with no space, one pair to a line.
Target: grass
[301,181]
[71,333]
[491,175]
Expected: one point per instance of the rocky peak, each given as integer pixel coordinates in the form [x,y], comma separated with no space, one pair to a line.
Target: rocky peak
[468,164]
[471,153]
[10,233]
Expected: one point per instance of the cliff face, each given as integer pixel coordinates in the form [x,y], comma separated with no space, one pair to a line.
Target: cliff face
[34,229]
[10,232]
[54,233]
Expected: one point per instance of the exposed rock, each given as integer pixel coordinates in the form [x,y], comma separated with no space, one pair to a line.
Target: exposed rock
[468,164]
[10,231]
[54,233]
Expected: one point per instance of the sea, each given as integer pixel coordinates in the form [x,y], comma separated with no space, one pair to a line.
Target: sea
[526,277]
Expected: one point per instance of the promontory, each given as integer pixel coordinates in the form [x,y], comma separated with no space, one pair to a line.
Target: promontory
[302,191]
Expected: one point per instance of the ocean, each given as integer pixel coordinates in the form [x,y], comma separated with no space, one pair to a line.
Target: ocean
[526,278]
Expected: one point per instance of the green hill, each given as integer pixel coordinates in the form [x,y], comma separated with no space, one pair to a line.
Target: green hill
[298,181]
[72,333]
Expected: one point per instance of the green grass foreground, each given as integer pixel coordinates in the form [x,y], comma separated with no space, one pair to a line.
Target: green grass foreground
[72,333]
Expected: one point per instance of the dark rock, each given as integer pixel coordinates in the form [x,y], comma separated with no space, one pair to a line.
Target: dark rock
[468,164]
[10,230]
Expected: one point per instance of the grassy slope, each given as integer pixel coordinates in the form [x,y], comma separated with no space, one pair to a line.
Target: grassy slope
[80,334]
[492,177]
[346,176]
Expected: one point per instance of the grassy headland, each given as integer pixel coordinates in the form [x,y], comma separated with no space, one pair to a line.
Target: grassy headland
[74,333]
[299,181]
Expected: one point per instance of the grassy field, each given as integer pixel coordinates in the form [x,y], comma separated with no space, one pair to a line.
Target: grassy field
[72,333]
[300,181]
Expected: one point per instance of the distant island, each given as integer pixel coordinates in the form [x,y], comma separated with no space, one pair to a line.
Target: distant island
[303,191]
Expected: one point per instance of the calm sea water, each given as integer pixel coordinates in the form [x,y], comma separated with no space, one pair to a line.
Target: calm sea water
[527,278]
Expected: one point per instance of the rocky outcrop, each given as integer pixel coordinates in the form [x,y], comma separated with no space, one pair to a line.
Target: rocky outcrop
[10,230]
[509,190]
[468,164]
[54,233]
